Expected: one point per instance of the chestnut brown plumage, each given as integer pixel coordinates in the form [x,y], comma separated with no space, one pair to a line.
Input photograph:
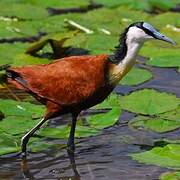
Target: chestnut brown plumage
[68,85]
[72,84]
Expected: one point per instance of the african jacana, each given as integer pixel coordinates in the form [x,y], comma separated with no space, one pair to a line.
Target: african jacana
[75,83]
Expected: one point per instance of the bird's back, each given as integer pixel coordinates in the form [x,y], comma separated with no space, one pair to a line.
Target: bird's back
[68,81]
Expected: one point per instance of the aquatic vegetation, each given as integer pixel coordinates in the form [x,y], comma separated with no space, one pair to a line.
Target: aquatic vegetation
[50,32]
[167,156]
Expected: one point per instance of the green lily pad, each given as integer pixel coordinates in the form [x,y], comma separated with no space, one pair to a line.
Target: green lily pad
[170,176]
[15,125]
[156,124]
[150,102]
[161,123]
[23,11]
[104,120]
[151,50]
[112,101]
[147,5]
[167,156]
[172,115]
[165,61]
[16,55]
[55,3]
[58,132]
[24,109]
[63,132]
[163,19]
[8,144]
[136,76]
[163,4]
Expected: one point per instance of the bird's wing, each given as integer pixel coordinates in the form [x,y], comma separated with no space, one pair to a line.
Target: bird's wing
[67,81]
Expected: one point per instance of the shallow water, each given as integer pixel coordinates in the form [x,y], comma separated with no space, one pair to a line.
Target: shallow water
[105,156]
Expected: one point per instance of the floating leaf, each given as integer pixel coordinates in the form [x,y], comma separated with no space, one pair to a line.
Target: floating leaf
[149,101]
[15,125]
[170,176]
[85,131]
[55,3]
[165,61]
[163,19]
[15,108]
[8,144]
[104,120]
[167,156]
[112,101]
[23,11]
[136,76]
[156,124]
[16,55]
[158,51]
[147,5]
[58,132]
[163,4]
[63,131]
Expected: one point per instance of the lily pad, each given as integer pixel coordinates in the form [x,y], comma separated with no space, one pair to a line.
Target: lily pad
[104,120]
[55,3]
[150,102]
[151,50]
[15,125]
[170,176]
[163,19]
[112,101]
[147,5]
[22,11]
[167,156]
[16,55]
[156,124]
[165,61]
[160,123]
[8,144]
[18,109]
[63,132]
[136,76]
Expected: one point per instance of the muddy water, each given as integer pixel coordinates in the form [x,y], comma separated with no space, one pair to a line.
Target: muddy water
[102,157]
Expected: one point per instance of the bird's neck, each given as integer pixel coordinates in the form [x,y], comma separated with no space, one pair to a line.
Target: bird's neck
[123,59]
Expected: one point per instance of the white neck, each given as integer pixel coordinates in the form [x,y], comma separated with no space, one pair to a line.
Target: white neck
[134,43]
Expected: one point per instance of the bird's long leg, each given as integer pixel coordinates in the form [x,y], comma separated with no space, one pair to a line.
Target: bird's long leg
[70,143]
[26,137]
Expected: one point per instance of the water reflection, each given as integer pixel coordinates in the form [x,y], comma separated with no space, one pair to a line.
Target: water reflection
[26,170]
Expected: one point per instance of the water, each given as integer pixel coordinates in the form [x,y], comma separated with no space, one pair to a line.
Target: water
[101,157]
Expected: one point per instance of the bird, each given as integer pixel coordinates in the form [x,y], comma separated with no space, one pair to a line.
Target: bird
[72,84]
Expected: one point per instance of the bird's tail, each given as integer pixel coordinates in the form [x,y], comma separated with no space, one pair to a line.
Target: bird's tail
[4,67]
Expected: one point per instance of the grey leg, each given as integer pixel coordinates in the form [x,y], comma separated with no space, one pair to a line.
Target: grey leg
[70,143]
[26,137]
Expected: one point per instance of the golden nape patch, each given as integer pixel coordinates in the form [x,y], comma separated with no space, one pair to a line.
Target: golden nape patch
[117,72]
